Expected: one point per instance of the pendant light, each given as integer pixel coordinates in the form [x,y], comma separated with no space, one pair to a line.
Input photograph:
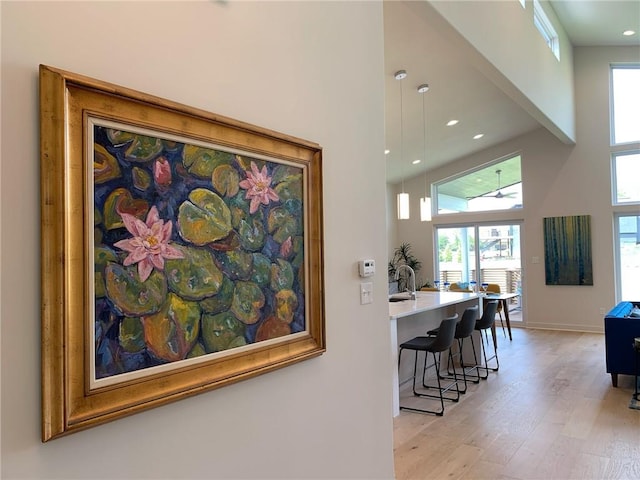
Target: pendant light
[425,202]
[403,198]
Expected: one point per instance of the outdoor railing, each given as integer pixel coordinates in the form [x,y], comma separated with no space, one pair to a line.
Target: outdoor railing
[509,280]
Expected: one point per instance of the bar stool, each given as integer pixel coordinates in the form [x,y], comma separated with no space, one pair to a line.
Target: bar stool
[464,330]
[495,288]
[484,323]
[434,345]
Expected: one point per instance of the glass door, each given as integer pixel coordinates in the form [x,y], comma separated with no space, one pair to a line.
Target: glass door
[491,250]
[456,256]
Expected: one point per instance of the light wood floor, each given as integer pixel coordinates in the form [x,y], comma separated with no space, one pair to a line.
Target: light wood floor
[550,412]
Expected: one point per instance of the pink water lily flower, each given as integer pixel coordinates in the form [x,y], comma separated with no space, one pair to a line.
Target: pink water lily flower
[258,186]
[162,172]
[150,243]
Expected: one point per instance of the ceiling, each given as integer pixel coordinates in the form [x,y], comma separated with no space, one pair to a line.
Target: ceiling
[459,91]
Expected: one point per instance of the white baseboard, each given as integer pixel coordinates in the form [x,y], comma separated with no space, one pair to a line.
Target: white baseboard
[565,327]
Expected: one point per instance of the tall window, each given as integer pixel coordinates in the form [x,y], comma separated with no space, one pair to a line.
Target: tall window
[625,168]
[626,175]
[625,90]
[625,133]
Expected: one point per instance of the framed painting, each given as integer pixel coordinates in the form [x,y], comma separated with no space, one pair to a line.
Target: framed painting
[181,251]
[567,250]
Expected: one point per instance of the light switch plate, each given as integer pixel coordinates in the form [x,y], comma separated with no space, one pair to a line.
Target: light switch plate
[366,293]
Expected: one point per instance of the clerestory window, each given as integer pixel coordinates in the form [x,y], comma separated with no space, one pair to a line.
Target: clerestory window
[496,186]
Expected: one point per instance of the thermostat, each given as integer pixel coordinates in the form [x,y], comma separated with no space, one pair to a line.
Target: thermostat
[366,268]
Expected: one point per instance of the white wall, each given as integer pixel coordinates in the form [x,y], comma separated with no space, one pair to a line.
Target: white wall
[516,57]
[558,180]
[280,66]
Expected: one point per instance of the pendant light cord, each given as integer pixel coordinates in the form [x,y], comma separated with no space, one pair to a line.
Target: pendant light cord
[424,141]
[401,132]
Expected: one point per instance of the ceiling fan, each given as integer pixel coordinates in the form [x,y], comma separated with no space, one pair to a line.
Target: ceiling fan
[499,193]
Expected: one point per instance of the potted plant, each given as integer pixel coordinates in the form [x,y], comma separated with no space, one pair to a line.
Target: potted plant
[402,255]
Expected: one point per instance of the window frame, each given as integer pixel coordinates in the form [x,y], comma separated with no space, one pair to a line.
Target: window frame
[618,254]
[544,25]
[437,208]
[612,117]
[626,208]
[615,201]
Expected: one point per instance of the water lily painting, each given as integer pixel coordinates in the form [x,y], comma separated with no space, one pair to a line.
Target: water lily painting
[181,251]
[197,250]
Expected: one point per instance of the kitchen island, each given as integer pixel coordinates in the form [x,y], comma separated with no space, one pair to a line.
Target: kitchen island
[410,318]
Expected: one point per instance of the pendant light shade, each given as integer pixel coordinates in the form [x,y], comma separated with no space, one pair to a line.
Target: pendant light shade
[403,198]
[425,209]
[425,202]
[403,206]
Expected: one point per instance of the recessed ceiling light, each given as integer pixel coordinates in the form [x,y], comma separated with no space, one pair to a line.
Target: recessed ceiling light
[415,162]
[387,152]
[450,123]
[628,33]
[480,135]
[400,75]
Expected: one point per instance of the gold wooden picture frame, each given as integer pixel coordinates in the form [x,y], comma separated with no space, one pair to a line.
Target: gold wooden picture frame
[181,251]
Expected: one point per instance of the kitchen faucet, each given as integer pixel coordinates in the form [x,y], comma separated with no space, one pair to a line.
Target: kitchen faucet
[413,279]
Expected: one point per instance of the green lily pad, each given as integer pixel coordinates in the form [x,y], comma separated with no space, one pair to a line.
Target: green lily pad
[119,137]
[222,332]
[201,162]
[286,305]
[288,182]
[289,189]
[131,334]
[130,295]
[172,332]
[225,180]
[251,234]
[105,165]
[261,272]
[204,218]
[239,207]
[143,149]
[141,179]
[282,276]
[247,302]
[102,256]
[195,276]
[221,301]
[197,351]
[283,224]
[236,264]
[283,173]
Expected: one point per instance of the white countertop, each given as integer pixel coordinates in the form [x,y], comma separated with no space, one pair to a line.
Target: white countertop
[426,301]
